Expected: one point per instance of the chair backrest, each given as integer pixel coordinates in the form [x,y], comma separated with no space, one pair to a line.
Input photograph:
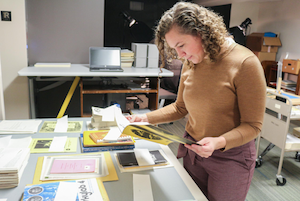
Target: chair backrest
[276,119]
[171,83]
[267,65]
[2,111]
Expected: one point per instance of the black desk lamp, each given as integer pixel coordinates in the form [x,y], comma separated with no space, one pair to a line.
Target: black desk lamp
[140,32]
[239,32]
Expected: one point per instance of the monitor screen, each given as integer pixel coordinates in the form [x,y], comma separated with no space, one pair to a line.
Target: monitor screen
[105,57]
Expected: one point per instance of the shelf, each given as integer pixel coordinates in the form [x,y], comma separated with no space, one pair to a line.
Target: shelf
[121,87]
[125,91]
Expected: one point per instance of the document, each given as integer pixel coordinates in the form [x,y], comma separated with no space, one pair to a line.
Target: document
[19,127]
[52,65]
[85,189]
[60,166]
[58,144]
[73,127]
[42,145]
[61,125]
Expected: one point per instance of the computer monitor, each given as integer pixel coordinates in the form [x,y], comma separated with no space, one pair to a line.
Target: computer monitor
[105,59]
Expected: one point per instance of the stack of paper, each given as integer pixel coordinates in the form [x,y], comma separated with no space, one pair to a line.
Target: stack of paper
[19,127]
[103,118]
[52,65]
[127,58]
[14,155]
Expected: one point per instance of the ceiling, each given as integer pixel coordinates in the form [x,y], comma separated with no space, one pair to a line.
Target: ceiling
[222,2]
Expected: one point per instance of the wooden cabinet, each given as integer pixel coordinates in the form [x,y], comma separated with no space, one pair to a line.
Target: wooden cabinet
[270,69]
[115,85]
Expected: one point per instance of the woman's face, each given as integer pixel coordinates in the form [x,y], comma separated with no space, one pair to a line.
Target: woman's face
[186,46]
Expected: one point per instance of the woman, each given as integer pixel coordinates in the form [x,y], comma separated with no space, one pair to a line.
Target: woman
[222,88]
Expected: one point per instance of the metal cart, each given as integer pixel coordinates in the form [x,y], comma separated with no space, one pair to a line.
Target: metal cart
[275,130]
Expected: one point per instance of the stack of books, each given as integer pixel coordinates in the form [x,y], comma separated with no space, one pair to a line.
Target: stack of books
[127,58]
[288,83]
[92,141]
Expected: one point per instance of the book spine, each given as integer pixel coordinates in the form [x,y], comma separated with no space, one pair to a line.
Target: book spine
[113,148]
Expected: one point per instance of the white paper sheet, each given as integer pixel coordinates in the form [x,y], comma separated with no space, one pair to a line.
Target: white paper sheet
[122,122]
[7,155]
[58,144]
[20,142]
[112,134]
[70,187]
[4,141]
[19,127]
[142,190]
[108,113]
[143,157]
[61,125]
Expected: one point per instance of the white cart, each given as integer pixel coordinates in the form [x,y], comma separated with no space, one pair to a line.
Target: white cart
[275,130]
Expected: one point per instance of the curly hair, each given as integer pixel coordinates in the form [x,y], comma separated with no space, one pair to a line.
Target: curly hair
[194,20]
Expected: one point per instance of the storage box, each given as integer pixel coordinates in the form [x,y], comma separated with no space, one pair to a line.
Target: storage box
[139,49]
[152,51]
[152,62]
[140,62]
[265,56]
[291,66]
[258,43]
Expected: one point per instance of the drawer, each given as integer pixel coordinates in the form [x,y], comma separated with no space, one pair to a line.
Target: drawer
[291,66]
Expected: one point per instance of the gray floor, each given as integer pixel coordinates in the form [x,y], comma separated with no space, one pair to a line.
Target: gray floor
[263,186]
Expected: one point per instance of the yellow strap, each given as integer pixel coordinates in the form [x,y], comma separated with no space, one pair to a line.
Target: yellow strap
[68,98]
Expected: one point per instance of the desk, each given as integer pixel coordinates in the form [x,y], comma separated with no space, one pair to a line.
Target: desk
[168,184]
[82,70]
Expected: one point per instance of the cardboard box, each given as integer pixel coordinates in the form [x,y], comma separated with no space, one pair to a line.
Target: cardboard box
[291,66]
[258,43]
[266,56]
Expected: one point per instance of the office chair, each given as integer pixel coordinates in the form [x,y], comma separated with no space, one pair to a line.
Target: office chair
[169,86]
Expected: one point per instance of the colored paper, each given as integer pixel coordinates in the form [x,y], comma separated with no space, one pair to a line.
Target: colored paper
[72,166]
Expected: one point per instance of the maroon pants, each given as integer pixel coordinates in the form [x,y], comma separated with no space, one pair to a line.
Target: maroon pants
[224,175]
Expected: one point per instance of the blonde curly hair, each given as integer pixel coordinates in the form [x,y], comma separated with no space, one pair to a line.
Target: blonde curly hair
[195,20]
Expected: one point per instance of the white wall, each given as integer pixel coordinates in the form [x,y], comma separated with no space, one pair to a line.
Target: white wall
[241,11]
[283,17]
[13,58]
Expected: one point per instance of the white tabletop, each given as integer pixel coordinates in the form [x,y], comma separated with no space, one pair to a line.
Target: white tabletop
[82,70]
[172,183]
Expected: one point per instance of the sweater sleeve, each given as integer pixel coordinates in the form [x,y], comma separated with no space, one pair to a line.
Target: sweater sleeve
[251,94]
[173,111]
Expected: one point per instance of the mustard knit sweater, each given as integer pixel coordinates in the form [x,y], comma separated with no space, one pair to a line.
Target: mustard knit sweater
[225,98]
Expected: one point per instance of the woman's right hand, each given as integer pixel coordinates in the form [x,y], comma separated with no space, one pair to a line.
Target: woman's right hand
[137,118]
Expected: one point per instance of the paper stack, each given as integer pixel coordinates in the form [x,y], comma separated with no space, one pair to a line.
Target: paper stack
[103,118]
[19,127]
[14,156]
[127,58]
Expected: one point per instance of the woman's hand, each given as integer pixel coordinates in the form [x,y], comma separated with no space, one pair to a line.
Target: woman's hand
[207,146]
[137,118]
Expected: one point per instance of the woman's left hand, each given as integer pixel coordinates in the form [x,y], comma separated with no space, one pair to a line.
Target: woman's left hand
[207,146]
